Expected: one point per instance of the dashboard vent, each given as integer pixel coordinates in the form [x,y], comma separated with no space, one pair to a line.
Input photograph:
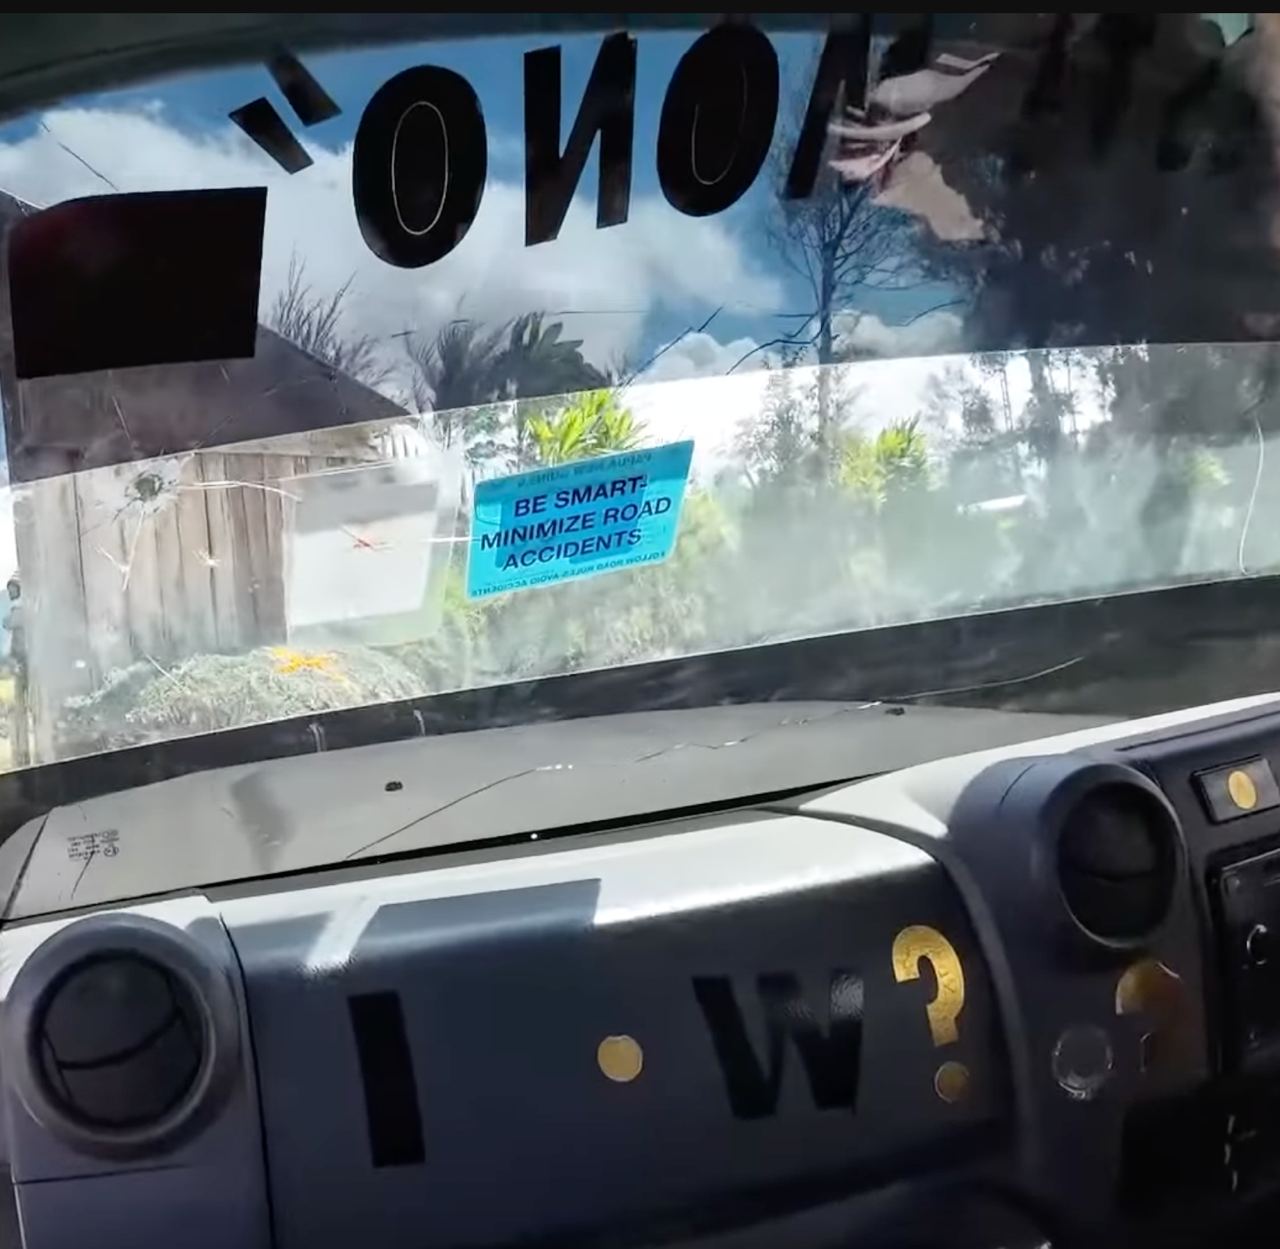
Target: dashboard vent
[120,1041]
[1117,863]
[121,1034]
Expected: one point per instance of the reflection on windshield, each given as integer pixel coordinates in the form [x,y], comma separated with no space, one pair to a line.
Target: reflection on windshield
[910,329]
[221,588]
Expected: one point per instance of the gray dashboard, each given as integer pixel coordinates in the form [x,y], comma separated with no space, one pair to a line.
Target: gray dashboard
[490,786]
[933,997]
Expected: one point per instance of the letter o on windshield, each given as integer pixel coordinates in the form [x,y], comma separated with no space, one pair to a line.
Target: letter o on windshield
[419,165]
[717,119]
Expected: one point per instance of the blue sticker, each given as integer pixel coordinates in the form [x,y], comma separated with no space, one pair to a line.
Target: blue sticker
[592,516]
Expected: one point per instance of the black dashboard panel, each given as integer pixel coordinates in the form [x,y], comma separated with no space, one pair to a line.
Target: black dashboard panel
[1018,995]
[1162,1127]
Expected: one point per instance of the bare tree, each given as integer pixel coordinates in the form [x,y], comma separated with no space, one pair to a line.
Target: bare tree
[839,239]
[842,245]
[313,322]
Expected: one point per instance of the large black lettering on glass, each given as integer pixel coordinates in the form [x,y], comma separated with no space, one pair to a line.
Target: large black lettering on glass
[607,109]
[419,164]
[717,119]
[830,1059]
[843,64]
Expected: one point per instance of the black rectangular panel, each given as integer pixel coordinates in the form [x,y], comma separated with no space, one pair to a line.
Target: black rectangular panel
[117,281]
[1248,902]
[386,1073]
[1237,789]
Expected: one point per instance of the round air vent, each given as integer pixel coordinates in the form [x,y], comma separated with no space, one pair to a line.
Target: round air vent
[1118,862]
[120,1034]
[119,1041]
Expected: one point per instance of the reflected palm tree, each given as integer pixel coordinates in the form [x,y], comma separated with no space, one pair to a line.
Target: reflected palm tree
[464,366]
[539,361]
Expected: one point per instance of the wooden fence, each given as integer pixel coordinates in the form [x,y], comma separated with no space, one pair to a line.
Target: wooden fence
[157,560]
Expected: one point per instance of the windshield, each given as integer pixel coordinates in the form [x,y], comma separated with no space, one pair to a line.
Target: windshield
[564,355]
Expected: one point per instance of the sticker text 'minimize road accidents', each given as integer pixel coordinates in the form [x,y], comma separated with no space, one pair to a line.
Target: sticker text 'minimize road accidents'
[584,518]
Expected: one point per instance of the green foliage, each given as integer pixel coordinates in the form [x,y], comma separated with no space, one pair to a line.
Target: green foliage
[1205,473]
[860,472]
[901,451]
[780,444]
[895,461]
[705,529]
[594,424]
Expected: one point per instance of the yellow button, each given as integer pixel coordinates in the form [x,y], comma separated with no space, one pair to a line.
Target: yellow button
[620,1058]
[1244,793]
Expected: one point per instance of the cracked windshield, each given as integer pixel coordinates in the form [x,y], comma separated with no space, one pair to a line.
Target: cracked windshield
[371,373]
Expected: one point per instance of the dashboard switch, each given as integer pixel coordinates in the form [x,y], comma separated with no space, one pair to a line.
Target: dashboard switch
[1238,789]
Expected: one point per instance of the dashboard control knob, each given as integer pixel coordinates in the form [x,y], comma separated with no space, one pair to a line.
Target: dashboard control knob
[1259,945]
[1082,1061]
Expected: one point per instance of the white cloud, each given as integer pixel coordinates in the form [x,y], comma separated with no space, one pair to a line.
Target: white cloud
[862,334]
[656,258]
[707,409]
[699,355]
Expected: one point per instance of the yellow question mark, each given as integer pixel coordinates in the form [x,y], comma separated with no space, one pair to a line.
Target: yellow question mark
[920,942]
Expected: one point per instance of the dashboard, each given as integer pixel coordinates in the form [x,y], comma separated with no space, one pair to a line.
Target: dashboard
[1028,994]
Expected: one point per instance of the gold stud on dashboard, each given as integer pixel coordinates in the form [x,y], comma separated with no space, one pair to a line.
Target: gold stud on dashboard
[1244,793]
[620,1058]
[951,1082]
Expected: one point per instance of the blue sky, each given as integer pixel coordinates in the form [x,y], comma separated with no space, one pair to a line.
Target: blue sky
[647,287]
